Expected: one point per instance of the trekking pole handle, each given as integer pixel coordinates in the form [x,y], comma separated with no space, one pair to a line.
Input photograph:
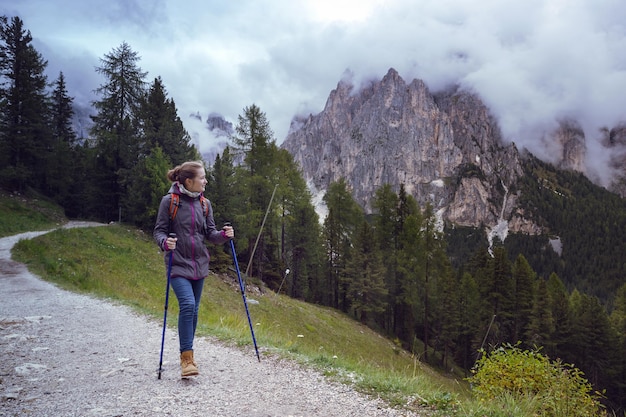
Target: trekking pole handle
[170,235]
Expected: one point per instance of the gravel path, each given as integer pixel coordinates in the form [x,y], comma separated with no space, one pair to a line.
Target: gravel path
[65,354]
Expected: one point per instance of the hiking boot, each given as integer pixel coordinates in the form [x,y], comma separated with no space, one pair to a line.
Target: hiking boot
[188,367]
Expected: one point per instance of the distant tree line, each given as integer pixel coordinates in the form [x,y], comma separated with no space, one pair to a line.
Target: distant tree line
[393,270]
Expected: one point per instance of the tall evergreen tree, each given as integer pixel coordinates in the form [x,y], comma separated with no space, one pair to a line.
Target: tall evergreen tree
[366,292]
[116,128]
[344,215]
[161,126]
[446,319]
[594,341]
[62,166]
[148,185]
[410,279]
[496,284]
[161,140]
[220,179]
[470,321]
[300,232]
[436,269]
[254,143]
[540,327]
[562,316]
[221,190]
[385,205]
[524,287]
[25,139]
[408,271]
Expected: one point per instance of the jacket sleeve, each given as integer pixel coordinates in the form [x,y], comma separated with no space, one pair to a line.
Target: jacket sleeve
[211,233]
[162,225]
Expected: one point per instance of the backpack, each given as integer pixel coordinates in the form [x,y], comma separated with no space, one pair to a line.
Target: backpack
[175,203]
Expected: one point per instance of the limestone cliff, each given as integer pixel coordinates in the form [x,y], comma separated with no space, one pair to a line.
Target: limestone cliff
[446,149]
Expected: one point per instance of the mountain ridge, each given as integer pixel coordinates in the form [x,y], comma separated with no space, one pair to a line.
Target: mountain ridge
[446,148]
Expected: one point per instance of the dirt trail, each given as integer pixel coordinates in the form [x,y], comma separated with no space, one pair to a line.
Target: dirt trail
[65,354]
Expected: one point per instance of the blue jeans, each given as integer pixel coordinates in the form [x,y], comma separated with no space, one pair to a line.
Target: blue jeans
[188,293]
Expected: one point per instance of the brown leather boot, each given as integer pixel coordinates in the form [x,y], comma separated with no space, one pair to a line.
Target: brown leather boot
[187,365]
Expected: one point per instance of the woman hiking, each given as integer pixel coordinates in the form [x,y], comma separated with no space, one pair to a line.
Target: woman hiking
[187,213]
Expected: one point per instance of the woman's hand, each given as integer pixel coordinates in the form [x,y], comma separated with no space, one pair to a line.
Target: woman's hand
[170,243]
[229,232]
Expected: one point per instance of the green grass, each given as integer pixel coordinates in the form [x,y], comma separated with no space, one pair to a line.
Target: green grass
[123,264]
[20,214]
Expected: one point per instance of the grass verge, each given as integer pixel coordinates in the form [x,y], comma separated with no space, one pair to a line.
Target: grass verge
[123,264]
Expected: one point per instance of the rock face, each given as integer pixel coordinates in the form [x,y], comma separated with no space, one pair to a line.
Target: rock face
[615,139]
[446,150]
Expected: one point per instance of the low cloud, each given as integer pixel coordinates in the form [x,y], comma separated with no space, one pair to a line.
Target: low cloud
[533,62]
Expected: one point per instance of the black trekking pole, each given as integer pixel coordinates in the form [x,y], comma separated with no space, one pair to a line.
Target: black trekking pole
[243,294]
[167,297]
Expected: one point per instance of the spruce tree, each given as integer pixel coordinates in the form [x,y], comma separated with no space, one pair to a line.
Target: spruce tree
[540,327]
[386,228]
[410,279]
[61,168]
[25,138]
[365,286]
[253,142]
[161,126]
[116,129]
[344,215]
[300,230]
[524,295]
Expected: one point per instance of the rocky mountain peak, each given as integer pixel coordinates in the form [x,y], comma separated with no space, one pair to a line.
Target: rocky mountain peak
[444,148]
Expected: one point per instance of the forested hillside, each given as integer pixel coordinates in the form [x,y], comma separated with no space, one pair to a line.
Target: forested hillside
[392,270]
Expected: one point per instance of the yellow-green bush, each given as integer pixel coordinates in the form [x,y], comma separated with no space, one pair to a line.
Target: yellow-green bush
[560,389]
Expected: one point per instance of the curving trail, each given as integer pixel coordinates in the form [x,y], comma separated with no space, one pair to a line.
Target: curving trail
[65,354]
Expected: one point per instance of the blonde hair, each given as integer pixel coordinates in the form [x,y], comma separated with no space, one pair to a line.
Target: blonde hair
[186,171]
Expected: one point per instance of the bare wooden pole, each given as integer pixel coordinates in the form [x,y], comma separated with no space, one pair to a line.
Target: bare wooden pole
[260,231]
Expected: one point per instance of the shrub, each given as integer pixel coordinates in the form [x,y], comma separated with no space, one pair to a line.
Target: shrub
[560,389]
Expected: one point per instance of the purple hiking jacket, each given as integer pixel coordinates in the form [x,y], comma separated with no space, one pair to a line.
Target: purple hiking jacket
[191,257]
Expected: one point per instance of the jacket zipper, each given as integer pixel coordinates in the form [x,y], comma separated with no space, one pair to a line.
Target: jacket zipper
[193,239]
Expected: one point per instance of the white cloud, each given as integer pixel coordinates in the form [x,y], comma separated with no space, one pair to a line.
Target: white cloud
[532,61]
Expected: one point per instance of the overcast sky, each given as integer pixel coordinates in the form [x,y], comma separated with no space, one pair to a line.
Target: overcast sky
[532,61]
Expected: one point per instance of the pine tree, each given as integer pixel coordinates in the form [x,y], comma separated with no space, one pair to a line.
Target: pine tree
[408,266]
[25,138]
[366,292]
[161,126]
[524,287]
[300,229]
[384,205]
[436,269]
[161,141]
[446,319]
[147,186]
[344,215]
[220,179]
[221,190]
[61,167]
[410,276]
[469,308]
[497,286]
[254,143]
[540,327]
[594,340]
[562,317]
[116,128]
